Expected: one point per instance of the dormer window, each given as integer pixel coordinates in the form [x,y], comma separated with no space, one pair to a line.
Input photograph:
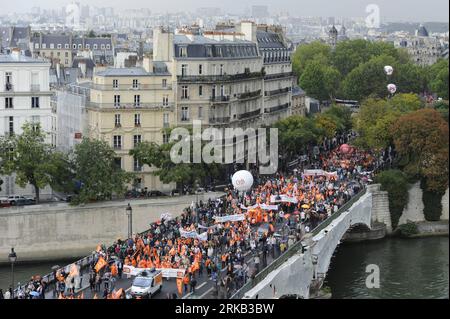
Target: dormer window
[183,52]
[59,46]
[66,46]
[95,46]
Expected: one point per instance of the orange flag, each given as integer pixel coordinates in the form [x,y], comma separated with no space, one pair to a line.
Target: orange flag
[180,285]
[100,264]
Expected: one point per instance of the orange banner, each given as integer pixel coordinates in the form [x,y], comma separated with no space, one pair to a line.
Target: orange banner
[100,264]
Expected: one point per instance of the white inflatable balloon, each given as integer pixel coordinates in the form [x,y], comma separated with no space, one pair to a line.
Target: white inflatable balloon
[242,180]
[388,70]
[392,88]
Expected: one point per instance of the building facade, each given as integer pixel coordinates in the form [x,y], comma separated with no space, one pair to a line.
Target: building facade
[25,98]
[128,106]
[63,48]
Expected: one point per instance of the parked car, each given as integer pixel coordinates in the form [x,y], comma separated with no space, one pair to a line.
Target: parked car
[24,201]
[156,193]
[20,200]
[4,202]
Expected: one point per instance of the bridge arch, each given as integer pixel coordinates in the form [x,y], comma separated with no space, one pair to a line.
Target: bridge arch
[305,269]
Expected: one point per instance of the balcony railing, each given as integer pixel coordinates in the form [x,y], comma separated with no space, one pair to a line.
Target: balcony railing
[249,95]
[222,98]
[278,75]
[218,78]
[278,91]
[219,120]
[249,114]
[131,87]
[277,108]
[124,106]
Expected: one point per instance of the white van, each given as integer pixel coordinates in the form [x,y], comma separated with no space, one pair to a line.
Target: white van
[146,284]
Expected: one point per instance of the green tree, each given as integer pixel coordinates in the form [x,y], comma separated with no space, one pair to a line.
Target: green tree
[342,117]
[367,79]
[296,133]
[29,157]
[396,184]
[437,75]
[96,171]
[91,34]
[158,156]
[320,81]
[305,53]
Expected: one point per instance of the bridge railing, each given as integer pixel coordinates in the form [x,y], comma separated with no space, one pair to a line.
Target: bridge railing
[292,250]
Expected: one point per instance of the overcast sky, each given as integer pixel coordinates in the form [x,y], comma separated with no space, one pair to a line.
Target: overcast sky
[391,10]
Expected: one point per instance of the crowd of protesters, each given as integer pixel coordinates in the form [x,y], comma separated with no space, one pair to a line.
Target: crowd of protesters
[231,252]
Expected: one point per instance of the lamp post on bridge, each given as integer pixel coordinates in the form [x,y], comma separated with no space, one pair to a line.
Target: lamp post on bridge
[129,211]
[12,259]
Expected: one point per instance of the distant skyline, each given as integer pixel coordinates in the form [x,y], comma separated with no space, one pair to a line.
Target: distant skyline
[391,10]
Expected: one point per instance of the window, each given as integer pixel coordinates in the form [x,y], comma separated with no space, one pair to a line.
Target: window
[136,140]
[88,46]
[11,125]
[200,112]
[115,83]
[164,83]
[200,69]
[9,103]
[136,165]
[102,46]
[166,138]
[117,142]
[135,84]
[116,100]
[222,90]
[52,45]
[137,119]
[166,119]
[221,69]
[185,113]
[44,45]
[184,69]
[108,46]
[117,120]
[95,46]
[36,45]
[165,100]
[8,81]
[35,120]
[35,102]
[200,90]
[137,100]
[80,46]
[66,46]
[74,46]
[59,46]
[184,92]
[183,52]
[66,54]
[118,162]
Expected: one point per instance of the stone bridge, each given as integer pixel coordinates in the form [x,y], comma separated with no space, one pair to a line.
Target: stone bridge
[302,269]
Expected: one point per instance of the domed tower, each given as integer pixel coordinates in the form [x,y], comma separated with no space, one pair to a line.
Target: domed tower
[422,31]
[333,36]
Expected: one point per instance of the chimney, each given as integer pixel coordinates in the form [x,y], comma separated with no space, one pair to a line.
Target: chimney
[147,63]
[15,53]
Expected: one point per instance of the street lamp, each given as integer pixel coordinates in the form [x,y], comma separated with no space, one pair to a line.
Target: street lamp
[12,259]
[129,211]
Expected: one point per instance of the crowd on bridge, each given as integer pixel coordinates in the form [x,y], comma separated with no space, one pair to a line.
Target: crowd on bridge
[235,236]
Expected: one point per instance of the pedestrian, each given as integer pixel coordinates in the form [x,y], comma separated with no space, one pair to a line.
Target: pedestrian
[193,284]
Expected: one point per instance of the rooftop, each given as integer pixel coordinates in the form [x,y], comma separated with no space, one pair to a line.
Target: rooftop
[135,71]
[18,58]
